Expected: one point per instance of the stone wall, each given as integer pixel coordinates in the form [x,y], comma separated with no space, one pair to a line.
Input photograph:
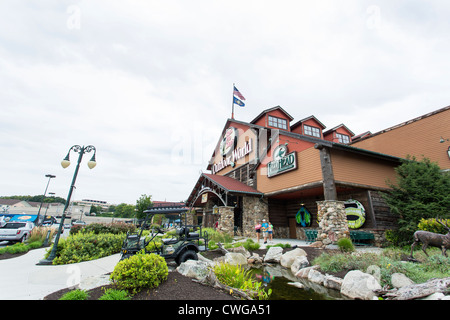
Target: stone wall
[226,220]
[332,222]
[254,210]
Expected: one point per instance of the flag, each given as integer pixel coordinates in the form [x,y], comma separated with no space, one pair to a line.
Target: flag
[238,102]
[237,93]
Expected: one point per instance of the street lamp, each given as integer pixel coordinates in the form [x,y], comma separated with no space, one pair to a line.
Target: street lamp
[49,176]
[65,163]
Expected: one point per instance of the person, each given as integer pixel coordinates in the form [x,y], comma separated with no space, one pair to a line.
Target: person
[270,231]
[265,228]
[258,231]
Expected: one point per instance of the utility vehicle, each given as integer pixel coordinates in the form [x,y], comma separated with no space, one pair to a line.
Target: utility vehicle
[184,245]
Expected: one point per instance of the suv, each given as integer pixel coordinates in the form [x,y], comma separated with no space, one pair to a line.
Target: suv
[16,231]
[184,246]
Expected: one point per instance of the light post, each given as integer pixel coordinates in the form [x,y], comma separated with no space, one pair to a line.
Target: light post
[49,176]
[65,163]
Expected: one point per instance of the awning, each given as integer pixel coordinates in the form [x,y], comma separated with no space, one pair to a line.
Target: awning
[221,186]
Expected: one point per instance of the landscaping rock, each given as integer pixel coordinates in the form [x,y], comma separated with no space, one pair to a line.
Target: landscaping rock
[255,259]
[316,276]
[235,258]
[300,262]
[399,280]
[242,250]
[359,285]
[333,282]
[296,284]
[194,269]
[288,258]
[273,254]
[304,272]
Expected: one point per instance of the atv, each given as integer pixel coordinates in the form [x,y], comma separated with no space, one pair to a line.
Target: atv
[184,246]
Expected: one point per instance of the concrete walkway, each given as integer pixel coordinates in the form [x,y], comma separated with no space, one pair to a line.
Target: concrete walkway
[22,279]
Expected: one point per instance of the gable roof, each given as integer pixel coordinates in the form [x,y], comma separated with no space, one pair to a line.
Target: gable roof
[337,127]
[272,109]
[227,184]
[308,118]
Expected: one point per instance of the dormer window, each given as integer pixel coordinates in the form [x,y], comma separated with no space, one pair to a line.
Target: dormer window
[277,123]
[312,131]
[343,138]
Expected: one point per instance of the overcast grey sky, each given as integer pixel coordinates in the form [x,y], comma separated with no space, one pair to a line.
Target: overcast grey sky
[149,83]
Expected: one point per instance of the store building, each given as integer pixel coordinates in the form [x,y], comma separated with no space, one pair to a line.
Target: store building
[296,173]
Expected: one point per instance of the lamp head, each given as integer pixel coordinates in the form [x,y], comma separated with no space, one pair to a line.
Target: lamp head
[65,162]
[92,163]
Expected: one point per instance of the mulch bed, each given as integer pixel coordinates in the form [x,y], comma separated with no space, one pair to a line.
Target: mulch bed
[179,287]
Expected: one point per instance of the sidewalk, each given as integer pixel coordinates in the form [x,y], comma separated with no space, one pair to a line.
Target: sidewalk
[22,279]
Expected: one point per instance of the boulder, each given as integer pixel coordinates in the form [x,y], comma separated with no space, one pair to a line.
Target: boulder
[242,250]
[332,282]
[359,285]
[194,269]
[288,258]
[399,280]
[273,254]
[304,272]
[316,276]
[300,262]
[235,258]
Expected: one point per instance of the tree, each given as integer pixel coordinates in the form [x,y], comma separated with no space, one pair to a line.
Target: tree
[422,190]
[143,203]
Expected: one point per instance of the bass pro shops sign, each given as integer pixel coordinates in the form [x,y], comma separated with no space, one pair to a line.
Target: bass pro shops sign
[230,152]
[282,161]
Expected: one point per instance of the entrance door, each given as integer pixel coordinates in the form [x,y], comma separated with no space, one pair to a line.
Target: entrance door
[292,228]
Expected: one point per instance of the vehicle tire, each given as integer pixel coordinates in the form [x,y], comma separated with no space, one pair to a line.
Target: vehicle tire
[186,255]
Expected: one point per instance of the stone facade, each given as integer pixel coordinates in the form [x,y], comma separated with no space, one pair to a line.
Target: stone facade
[226,220]
[332,222]
[254,210]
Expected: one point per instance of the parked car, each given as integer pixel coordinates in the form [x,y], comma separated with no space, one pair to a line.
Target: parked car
[16,231]
[78,223]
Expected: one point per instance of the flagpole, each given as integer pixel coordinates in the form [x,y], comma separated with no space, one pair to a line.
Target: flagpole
[232,104]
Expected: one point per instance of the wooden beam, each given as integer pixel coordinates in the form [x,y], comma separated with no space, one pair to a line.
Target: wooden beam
[329,185]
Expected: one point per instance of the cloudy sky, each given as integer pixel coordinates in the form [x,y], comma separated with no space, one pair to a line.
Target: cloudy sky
[149,83]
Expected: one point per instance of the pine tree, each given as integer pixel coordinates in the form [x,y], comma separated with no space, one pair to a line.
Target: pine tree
[422,190]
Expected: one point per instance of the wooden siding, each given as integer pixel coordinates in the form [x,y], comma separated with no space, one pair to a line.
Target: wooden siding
[416,137]
[308,171]
[356,169]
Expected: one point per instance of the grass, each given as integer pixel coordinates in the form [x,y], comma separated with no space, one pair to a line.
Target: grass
[390,261]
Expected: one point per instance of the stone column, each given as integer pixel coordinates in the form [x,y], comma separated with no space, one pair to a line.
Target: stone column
[333,223]
[254,210]
[226,220]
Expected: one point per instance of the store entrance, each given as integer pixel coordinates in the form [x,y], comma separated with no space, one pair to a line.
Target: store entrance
[238,215]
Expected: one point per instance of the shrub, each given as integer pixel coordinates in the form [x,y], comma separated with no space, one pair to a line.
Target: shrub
[140,271]
[237,277]
[75,295]
[87,246]
[432,225]
[345,245]
[113,294]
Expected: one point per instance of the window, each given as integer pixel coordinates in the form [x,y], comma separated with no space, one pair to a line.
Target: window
[312,131]
[277,123]
[343,138]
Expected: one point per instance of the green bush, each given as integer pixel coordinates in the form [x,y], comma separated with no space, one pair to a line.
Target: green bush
[113,294]
[345,245]
[75,295]
[140,271]
[432,225]
[87,246]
